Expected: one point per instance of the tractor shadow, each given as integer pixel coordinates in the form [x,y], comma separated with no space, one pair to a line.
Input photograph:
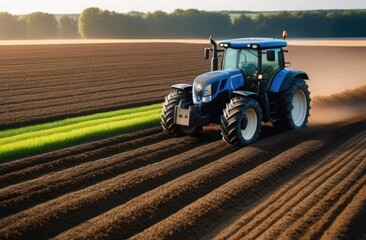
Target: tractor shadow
[213,132]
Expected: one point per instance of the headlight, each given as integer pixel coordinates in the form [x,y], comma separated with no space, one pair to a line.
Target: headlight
[207,91]
[207,94]
[199,87]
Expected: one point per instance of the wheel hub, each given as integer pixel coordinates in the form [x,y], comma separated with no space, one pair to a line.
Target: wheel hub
[299,104]
[187,129]
[244,122]
[248,124]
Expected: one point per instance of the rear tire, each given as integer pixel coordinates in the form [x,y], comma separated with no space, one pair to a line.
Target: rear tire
[167,115]
[241,121]
[294,106]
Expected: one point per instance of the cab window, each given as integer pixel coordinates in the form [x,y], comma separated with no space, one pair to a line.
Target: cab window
[271,66]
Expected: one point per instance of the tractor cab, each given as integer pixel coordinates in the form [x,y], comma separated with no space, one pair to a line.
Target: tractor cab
[254,62]
[258,59]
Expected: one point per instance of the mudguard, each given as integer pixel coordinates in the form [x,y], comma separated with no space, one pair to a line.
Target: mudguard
[183,86]
[283,79]
[255,96]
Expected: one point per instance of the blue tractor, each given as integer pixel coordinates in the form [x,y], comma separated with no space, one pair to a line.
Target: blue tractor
[251,87]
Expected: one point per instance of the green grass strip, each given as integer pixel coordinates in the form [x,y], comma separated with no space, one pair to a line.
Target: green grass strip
[72,126]
[41,138]
[68,121]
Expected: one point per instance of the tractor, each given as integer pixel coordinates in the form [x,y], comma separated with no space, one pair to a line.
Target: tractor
[251,87]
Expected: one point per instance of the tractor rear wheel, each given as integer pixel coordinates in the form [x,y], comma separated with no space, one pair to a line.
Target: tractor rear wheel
[167,115]
[294,106]
[241,122]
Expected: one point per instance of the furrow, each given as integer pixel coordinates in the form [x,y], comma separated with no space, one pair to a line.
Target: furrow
[21,164]
[203,215]
[303,187]
[77,100]
[307,203]
[72,158]
[184,190]
[69,90]
[43,220]
[319,217]
[24,195]
[265,212]
[324,222]
[348,223]
[145,210]
[94,86]
[54,100]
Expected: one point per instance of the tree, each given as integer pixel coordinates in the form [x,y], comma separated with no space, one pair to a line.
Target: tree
[91,23]
[10,27]
[68,27]
[159,24]
[195,23]
[313,24]
[41,25]
[244,26]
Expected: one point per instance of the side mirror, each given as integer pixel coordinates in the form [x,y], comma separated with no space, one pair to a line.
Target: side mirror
[206,53]
[271,57]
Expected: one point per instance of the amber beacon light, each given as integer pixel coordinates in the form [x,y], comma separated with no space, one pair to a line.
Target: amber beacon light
[284,35]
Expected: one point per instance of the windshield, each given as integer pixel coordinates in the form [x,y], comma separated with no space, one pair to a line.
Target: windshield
[235,57]
[244,59]
[247,60]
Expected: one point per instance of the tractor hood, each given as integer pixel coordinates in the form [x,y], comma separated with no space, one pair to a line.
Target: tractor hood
[206,86]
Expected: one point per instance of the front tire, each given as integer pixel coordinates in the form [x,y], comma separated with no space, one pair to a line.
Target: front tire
[294,106]
[241,121]
[167,115]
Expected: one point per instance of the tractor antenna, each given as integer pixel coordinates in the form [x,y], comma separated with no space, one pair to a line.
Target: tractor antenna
[284,35]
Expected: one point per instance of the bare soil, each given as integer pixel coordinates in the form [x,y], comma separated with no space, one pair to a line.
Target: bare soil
[46,82]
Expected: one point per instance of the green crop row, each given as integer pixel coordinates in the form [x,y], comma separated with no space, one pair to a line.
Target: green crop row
[25,141]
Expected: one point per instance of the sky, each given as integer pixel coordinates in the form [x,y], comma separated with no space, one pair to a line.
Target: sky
[124,6]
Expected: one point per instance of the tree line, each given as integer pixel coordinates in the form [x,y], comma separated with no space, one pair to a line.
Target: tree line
[191,23]
[37,25]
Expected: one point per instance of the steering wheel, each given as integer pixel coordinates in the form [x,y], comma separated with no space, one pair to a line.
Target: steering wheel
[249,68]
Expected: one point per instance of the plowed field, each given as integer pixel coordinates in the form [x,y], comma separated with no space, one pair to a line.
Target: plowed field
[306,184]
[47,82]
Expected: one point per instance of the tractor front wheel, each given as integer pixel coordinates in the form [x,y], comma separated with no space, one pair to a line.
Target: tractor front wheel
[167,115]
[241,122]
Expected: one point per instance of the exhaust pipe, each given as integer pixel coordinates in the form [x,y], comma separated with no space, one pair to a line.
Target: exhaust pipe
[214,60]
